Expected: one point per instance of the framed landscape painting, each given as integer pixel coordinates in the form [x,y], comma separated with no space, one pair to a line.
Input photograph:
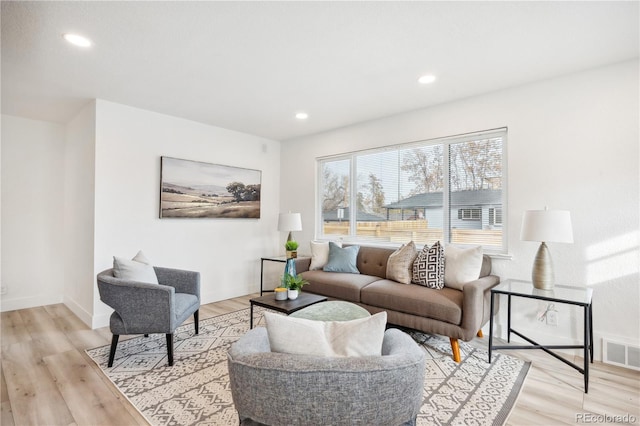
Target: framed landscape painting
[192,189]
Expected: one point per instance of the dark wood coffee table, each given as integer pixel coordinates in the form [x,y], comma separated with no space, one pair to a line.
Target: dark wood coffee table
[285,306]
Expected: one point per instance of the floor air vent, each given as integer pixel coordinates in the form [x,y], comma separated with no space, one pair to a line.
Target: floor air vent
[622,354]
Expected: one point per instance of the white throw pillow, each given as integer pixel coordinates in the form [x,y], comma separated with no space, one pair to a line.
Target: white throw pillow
[137,269]
[140,257]
[461,265]
[359,337]
[319,254]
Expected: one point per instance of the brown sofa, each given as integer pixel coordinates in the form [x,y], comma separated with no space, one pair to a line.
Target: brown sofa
[448,312]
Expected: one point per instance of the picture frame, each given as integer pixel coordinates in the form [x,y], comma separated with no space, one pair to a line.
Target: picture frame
[194,189]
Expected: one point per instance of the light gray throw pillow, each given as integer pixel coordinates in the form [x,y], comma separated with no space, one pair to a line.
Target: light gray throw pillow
[137,269]
[359,337]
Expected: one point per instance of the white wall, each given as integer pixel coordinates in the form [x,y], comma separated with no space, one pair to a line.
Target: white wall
[129,144]
[79,209]
[107,160]
[32,212]
[572,144]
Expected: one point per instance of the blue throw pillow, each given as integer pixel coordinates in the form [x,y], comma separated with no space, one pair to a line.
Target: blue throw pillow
[342,259]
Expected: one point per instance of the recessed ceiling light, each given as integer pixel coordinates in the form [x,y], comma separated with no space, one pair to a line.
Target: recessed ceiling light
[427,79]
[77,40]
[302,116]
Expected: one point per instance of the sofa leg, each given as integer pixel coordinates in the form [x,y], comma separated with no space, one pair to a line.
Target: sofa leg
[455,348]
[480,335]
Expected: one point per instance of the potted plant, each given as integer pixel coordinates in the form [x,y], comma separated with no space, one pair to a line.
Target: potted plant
[294,284]
[291,247]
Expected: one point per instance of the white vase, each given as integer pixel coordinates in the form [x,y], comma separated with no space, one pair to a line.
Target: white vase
[292,294]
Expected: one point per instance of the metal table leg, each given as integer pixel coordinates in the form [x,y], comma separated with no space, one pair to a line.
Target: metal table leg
[491,326]
[587,348]
[509,319]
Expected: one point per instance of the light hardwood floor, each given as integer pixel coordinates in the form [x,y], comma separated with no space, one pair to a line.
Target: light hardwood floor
[46,377]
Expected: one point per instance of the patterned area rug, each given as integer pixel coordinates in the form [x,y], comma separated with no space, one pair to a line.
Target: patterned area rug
[195,391]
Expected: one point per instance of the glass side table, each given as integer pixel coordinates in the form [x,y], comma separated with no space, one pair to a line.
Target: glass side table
[577,296]
[279,259]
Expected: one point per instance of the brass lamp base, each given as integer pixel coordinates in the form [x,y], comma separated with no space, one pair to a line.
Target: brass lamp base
[542,273]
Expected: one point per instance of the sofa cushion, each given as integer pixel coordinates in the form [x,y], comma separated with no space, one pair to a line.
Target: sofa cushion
[359,337]
[342,259]
[400,263]
[338,285]
[373,260]
[443,305]
[461,265]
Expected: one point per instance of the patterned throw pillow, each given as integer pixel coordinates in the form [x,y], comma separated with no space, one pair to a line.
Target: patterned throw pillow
[428,268]
[400,263]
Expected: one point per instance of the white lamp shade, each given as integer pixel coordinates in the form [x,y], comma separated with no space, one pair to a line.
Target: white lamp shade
[547,226]
[289,222]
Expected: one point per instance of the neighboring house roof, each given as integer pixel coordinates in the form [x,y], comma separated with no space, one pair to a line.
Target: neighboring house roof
[458,198]
[332,216]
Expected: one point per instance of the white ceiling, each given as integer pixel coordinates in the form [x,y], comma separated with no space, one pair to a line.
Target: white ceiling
[250,66]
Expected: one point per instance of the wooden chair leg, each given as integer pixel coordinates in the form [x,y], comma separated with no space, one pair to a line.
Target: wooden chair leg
[480,335]
[170,348]
[112,352]
[196,315]
[455,348]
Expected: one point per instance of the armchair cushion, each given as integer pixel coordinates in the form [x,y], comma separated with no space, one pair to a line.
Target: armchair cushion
[359,337]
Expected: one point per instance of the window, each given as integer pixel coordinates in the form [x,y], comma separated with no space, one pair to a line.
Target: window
[495,216]
[449,189]
[469,214]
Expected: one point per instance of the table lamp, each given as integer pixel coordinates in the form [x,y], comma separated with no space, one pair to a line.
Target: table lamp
[289,222]
[545,226]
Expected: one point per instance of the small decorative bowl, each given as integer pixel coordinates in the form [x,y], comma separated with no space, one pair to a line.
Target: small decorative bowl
[281,293]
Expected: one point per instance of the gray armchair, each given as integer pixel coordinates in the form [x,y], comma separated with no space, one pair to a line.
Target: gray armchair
[281,389]
[142,308]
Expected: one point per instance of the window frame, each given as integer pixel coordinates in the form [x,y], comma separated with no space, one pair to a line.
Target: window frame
[446,142]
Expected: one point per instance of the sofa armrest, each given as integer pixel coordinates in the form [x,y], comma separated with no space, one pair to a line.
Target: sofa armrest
[303,264]
[475,304]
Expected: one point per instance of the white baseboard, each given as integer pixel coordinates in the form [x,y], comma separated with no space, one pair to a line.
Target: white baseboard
[78,310]
[100,321]
[7,304]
